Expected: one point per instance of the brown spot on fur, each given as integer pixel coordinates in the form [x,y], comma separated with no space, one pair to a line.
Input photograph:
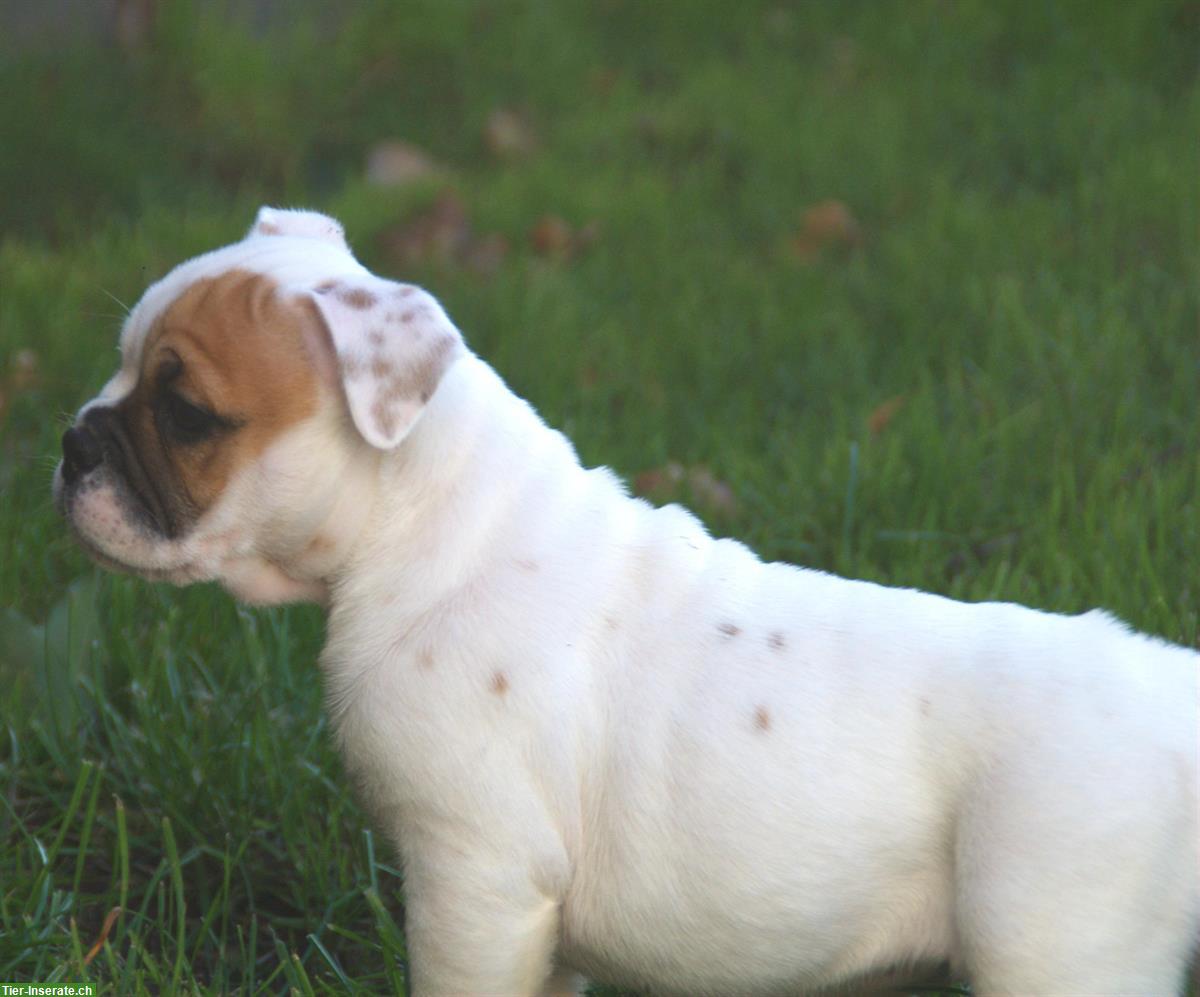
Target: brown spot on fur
[326,286]
[319,544]
[416,382]
[351,368]
[381,367]
[375,337]
[233,345]
[405,291]
[408,316]
[499,683]
[776,641]
[384,416]
[425,658]
[729,629]
[357,297]
[269,228]
[762,719]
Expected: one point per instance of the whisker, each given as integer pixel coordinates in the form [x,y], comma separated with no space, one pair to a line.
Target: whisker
[119,302]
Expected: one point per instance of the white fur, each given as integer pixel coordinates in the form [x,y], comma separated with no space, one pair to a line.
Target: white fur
[602,739]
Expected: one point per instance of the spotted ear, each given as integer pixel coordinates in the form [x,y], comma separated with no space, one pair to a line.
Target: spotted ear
[299,224]
[392,342]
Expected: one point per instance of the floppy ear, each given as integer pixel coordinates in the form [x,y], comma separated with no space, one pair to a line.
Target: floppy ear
[393,342]
[299,224]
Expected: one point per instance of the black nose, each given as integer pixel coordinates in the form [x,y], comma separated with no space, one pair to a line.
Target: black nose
[81,452]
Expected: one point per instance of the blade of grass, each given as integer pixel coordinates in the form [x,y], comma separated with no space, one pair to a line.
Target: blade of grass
[180,903]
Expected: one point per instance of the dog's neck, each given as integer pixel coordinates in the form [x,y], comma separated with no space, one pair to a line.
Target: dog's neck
[454,493]
[300,560]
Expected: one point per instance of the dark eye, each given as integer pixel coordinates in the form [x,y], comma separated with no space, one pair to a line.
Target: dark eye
[188,423]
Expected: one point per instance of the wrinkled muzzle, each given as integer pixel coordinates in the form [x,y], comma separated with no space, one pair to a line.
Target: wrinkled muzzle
[100,442]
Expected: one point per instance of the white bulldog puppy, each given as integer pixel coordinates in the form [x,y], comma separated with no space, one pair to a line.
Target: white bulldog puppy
[601,740]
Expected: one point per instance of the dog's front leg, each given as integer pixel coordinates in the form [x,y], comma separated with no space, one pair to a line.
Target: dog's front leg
[477,923]
[563,982]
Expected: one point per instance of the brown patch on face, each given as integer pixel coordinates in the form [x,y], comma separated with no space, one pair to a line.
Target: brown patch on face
[729,629]
[762,719]
[499,683]
[776,642]
[233,347]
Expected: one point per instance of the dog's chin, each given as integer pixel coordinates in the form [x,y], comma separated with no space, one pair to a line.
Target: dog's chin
[99,556]
[65,500]
[182,575]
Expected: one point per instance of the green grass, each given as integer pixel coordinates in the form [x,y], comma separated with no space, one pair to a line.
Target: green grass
[1024,179]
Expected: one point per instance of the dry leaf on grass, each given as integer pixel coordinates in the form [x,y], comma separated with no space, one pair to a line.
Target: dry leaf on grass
[394,163]
[665,484]
[23,370]
[659,480]
[438,234]
[551,236]
[486,254]
[21,376]
[883,413]
[105,930]
[603,80]
[827,224]
[509,135]
[711,490]
[442,234]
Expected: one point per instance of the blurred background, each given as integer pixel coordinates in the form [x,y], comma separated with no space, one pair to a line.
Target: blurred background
[902,290]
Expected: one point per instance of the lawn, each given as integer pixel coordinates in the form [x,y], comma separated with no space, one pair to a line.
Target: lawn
[905,291]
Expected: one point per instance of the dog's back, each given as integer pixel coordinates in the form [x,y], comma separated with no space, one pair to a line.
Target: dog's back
[1009,789]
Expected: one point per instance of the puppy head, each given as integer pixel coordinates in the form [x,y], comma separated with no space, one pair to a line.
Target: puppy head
[259,385]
